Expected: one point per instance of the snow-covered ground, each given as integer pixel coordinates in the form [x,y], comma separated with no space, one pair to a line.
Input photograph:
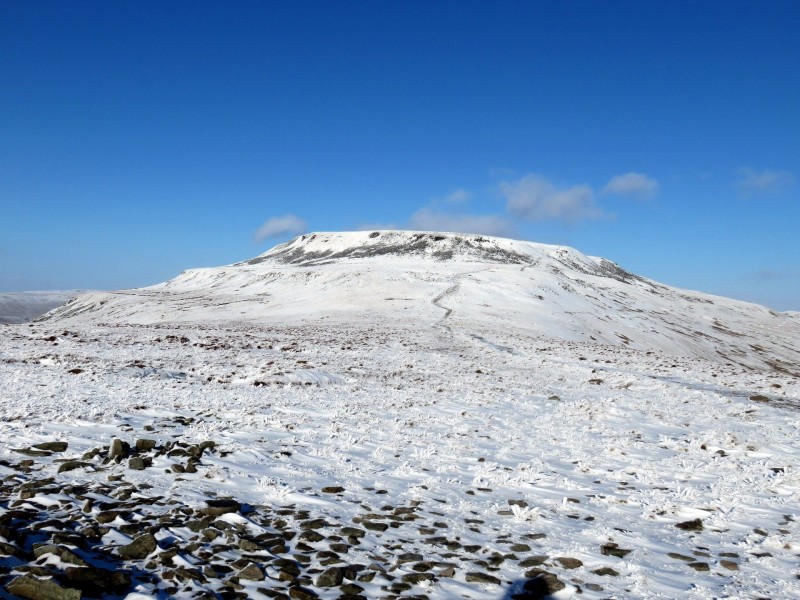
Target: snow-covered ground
[419,448]
[601,445]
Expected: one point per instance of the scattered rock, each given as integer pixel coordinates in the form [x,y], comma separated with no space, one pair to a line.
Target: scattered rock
[612,549]
[533,561]
[314,524]
[145,445]
[139,548]
[96,581]
[520,548]
[677,556]
[408,557]
[52,446]
[540,586]
[136,463]
[353,532]
[118,449]
[220,506]
[333,489]
[28,586]
[71,465]
[251,572]
[301,593]
[478,577]
[64,554]
[31,452]
[417,577]
[9,550]
[569,563]
[352,590]
[330,577]
[693,525]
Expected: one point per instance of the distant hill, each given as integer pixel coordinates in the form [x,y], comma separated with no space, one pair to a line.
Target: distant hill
[19,307]
[457,281]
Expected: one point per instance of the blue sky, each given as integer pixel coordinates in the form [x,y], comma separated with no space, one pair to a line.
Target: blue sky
[138,139]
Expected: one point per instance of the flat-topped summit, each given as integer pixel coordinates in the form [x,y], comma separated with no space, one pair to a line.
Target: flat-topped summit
[325,248]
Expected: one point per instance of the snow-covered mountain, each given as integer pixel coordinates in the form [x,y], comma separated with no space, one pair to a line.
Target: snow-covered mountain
[18,307]
[458,282]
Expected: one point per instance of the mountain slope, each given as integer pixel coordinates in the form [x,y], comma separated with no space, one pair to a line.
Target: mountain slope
[462,283]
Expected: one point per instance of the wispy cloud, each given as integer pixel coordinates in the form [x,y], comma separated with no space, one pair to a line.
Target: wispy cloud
[426,219]
[632,185]
[287,224]
[753,183]
[532,197]
[535,198]
[459,196]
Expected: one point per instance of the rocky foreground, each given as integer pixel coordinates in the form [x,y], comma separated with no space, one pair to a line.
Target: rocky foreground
[111,539]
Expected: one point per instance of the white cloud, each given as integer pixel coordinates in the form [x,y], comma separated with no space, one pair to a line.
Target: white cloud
[533,197]
[426,219]
[290,224]
[763,183]
[632,185]
[459,196]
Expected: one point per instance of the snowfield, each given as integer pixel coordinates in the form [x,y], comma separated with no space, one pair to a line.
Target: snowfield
[355,419]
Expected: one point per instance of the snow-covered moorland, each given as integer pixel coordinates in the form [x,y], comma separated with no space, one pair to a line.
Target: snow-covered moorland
[445,441]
